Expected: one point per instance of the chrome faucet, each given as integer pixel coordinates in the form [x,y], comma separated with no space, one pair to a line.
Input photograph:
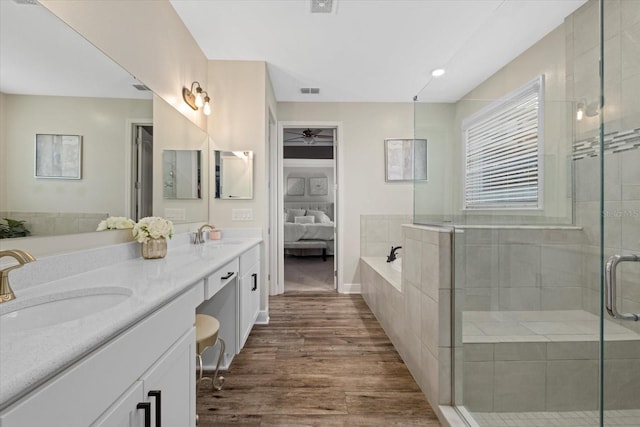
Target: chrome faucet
[392,255]
[199,237]
[6,293]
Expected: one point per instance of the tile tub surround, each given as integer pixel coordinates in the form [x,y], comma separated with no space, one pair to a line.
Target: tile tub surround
[384,269]
[379,232]
[546,361]
[56,223]
[417,318]
[30,359]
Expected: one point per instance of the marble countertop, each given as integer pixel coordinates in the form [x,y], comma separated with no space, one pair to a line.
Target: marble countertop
[30,357]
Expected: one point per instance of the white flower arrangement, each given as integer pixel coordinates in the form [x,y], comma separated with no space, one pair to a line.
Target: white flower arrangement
[152,227]
[115,223]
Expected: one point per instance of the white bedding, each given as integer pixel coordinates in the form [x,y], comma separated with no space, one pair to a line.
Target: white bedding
[294,232]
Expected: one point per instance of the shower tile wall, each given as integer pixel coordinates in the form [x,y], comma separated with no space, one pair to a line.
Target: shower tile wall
[520,269]
[621,114]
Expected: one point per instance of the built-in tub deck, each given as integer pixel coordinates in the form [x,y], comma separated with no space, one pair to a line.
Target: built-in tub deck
[532,361]
[539,326]
[385,270]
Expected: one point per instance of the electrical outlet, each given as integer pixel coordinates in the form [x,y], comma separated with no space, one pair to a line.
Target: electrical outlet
[242,215]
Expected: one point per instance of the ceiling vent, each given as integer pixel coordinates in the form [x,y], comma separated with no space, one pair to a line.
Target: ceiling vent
[310,90]
[141,87]
[322,6]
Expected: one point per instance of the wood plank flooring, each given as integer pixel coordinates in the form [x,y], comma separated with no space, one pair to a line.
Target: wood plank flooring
[322,361]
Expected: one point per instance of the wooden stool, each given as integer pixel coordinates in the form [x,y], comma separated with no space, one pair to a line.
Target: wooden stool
[207,328]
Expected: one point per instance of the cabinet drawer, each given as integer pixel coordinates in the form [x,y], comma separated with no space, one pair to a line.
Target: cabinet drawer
[249,258]
[220,278]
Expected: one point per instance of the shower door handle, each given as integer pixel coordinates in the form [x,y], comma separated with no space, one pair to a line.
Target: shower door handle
[610,284]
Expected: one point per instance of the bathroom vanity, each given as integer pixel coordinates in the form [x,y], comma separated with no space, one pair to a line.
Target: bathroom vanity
[129,357]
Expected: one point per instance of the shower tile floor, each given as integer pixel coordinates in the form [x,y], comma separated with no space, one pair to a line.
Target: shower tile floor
[538,326]
[544,419]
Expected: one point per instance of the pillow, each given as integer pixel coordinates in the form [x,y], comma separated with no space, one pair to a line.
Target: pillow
[304,219]
[292,213]
[320,217]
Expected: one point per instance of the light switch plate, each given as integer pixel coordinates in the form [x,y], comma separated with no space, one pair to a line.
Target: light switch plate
[242,214]
[175,214]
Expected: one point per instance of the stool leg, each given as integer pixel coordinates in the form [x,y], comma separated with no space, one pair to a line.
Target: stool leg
[219,380]
[199,370]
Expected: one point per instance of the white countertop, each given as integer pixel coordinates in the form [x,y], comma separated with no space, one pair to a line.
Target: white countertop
[31,357]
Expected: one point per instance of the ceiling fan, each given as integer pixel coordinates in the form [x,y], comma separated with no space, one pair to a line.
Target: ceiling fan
[308,136]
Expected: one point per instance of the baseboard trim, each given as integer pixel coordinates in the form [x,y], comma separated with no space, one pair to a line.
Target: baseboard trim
[263,318]
[350,288]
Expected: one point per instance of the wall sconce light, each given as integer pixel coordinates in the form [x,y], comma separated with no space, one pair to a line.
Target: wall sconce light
[196,98]
[589,110]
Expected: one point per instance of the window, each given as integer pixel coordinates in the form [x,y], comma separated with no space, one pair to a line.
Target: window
[503,151]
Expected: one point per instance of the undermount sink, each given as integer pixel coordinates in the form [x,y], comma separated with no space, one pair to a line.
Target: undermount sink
[54,309]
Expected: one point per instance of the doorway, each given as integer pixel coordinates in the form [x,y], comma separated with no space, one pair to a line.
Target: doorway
[141,171]
[308,200]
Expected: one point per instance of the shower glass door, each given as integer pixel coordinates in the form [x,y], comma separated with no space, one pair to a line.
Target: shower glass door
[619,157]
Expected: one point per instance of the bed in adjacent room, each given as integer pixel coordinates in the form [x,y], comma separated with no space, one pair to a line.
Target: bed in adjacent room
[309,228]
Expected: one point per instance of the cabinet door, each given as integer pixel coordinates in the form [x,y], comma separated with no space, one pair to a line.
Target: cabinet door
[249,301]
[169,385]
[124,412]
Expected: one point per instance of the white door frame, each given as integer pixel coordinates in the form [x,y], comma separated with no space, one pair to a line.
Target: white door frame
[277,283]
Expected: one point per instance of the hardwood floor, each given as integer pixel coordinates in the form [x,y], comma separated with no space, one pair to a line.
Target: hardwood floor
[322,361]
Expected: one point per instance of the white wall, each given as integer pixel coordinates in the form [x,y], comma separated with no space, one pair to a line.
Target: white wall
[102,124]
[4,177]
[296,169]
[238,123]
[364,128]
[172,131]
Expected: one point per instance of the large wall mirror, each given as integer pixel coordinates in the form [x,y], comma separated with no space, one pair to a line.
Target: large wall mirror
[53,81]
[234,175]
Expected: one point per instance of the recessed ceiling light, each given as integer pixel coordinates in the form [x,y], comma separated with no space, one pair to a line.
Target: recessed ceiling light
[438,72]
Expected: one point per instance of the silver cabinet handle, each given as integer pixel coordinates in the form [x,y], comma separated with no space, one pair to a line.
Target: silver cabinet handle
[610,283]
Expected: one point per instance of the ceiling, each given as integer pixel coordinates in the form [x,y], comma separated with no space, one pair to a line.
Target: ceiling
[367,51]
[375,50]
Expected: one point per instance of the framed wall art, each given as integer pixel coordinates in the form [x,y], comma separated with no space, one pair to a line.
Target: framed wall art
[295,186]
[318,186]
[58,156]
[405,159]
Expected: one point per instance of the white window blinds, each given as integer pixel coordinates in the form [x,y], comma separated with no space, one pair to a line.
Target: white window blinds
[503,152]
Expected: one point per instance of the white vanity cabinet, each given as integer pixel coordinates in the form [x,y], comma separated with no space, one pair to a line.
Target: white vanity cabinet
[105,387]
[249,292]
[164,395]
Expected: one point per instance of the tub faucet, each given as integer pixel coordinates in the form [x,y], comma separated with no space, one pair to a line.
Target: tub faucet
[392,254]
[199,238]
[6,293]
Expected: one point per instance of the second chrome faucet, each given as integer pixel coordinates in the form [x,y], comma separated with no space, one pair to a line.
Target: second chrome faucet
[199,237]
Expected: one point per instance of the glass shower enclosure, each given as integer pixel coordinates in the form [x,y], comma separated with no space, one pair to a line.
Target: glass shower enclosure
[542,195]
